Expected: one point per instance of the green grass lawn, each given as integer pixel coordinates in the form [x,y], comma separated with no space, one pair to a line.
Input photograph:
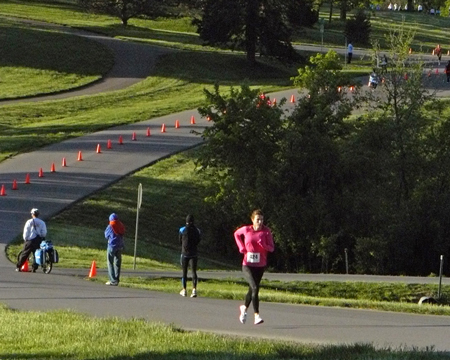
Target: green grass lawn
[67,335]
[36,60]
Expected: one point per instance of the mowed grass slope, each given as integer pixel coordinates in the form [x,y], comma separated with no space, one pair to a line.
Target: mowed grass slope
[36,60]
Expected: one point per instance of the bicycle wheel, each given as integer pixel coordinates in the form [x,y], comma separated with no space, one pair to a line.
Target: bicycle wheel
[47,264]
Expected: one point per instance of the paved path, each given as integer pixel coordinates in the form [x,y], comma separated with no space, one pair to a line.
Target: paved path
[55,191]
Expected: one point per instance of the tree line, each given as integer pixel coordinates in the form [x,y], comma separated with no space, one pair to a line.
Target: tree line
[347,173]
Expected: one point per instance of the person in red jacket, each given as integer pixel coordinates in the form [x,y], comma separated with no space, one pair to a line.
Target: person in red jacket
[254,241]
[114,233]
[438,53]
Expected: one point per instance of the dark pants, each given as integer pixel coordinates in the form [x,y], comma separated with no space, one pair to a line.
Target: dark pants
[349,58]
[185,265]
[29,247]
[253,275]
[114,261]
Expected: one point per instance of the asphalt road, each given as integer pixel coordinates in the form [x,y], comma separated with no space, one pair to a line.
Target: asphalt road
[62,290]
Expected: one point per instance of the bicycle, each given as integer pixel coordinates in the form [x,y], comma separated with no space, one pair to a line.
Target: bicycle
[45,256]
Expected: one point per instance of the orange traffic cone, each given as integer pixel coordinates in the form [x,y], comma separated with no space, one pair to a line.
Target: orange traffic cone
[24,267]
[108,144]
[52,168]
[192,120]
[99,149]
[292,99]
[133,137]
[27,179]
[80,156]
[93,271]
[177,124]
[63,164]
[120,140]
[41,173]
[148,132]
[163,128]
[3,191]
[14,186]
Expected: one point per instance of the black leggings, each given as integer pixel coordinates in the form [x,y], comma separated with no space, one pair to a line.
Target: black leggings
[253,275]
[185,265]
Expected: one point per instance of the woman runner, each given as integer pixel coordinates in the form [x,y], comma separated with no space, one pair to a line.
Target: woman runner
[254,241]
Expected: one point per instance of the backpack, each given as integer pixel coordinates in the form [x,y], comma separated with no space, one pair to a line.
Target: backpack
[47,246]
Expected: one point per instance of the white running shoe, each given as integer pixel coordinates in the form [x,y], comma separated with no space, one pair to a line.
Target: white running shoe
[243,315]
[194,293]
[183,292]
[258,319]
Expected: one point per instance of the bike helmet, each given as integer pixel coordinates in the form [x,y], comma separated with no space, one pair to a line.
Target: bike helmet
[35,212]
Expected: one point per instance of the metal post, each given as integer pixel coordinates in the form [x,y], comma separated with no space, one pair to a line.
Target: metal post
[346,261]
[440,276]
[139,203]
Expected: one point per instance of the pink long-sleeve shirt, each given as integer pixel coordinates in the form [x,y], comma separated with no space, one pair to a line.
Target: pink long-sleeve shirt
[254,245]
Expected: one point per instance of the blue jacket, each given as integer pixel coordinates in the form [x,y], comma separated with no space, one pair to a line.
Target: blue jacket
[115,238]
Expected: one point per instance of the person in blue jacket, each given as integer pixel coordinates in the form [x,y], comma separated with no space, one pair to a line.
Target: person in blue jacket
[189,237]
[114,233]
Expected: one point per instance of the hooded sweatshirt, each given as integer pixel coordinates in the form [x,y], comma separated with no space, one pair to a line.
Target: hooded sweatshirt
[114,232]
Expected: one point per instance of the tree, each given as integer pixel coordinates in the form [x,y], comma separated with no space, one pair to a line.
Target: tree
[124,9]
[254,25]
[238,156]
[357,29]
[289,166]
[308,206]
[393,156]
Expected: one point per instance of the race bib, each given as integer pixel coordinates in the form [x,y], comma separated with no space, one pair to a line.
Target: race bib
[253,257]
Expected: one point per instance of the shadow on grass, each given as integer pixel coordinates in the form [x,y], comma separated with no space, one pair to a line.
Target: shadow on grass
[279,350]
[143,34]
[224,68]
[30,47]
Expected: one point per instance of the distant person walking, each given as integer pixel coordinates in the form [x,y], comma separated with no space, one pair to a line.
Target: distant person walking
[189,237]
[349,53]
[254,241]
[438,53]
[114,233]
[34,232]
